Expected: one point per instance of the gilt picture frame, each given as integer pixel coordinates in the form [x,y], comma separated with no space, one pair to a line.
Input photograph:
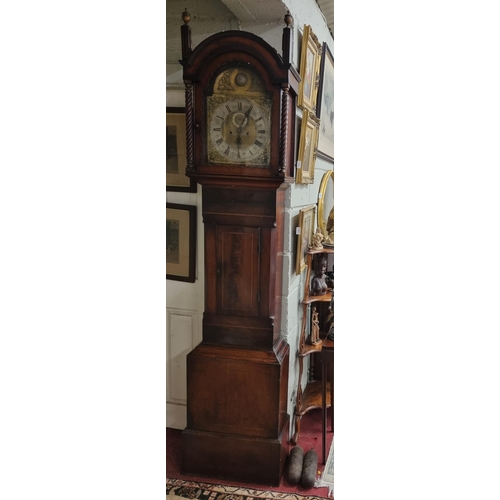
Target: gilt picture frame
[308,147]
[324,109]
[305,230]
[176,177]
[310,60]
[325,201]
[181,242]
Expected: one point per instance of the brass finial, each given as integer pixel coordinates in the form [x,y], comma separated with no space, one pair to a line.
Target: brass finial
[186,16]
[288,18]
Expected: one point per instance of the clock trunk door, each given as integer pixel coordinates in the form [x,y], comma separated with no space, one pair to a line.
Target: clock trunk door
[238,270]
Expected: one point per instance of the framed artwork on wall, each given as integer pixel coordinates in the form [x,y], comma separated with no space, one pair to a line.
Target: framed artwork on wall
[181,242]
[325,105]
[305,231]
[309,70]
[176,152]
[308,146]
[325,206]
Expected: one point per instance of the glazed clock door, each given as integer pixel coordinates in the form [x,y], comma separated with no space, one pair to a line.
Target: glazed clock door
[238,270]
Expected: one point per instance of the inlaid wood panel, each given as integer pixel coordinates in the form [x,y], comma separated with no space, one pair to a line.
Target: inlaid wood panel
[238,270]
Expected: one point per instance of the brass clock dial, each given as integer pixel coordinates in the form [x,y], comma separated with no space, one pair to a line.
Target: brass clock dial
[239,130]
[239,118]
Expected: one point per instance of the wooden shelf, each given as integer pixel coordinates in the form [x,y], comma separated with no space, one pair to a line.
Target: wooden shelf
[318,298]
[323,250]
[309,349]
[312,397]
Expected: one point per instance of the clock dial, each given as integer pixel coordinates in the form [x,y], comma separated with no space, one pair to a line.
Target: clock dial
[239,130]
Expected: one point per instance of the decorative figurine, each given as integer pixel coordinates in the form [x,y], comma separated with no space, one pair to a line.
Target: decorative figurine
[317,240]
[315,327]
[318,283]
[330,318]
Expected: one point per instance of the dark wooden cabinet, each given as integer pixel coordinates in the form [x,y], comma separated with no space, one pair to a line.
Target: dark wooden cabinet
[240,115]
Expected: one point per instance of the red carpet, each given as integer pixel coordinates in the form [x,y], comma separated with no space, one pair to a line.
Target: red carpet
[310,438]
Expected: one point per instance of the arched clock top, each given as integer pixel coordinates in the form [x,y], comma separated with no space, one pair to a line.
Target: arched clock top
[240,108]
[250,46]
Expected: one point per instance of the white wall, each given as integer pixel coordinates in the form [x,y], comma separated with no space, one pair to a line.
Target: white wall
[209,17]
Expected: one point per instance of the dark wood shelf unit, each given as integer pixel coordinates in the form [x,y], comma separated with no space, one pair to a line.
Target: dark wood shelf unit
[311,397]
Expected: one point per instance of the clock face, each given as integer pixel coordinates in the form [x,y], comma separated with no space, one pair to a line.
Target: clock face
[239,131]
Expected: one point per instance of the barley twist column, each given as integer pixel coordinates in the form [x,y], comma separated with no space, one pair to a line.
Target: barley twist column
[284,130]
[189,127]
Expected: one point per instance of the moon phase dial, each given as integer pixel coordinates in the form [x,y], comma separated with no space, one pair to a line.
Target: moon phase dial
[239,132]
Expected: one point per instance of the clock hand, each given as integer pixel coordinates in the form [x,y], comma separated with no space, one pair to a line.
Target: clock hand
[238,141]
[247,112]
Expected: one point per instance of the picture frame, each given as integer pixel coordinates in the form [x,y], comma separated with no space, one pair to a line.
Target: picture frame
[325,201]
[305,231]
[308,147]
[310,60]
[176,177]
[181,242]
[325,107]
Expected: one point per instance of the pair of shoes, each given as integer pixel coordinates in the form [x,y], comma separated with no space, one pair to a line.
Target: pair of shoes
[302,468]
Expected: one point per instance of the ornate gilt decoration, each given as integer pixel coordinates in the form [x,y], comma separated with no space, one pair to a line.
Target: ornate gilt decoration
[225,82]
[239,81]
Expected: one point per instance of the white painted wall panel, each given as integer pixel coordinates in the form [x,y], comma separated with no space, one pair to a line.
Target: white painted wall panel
[180,341]
[182,336]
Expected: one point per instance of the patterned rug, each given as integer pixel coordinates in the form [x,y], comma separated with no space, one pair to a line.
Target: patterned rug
[326,478]
[205,491]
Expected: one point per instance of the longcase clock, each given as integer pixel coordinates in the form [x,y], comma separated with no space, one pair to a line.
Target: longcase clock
[240,117]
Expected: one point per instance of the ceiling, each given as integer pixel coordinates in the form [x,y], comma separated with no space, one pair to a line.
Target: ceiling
[262,11]
[259,11]
[326,7]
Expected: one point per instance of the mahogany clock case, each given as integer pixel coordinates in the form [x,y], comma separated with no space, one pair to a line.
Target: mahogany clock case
[237,378]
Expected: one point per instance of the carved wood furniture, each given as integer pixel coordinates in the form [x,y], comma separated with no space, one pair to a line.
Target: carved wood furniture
[311,397]
[326,356]
[240,118]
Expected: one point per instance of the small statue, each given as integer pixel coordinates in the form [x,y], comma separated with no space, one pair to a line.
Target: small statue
[317,240]
[318,283]
[330,318]
[315,327]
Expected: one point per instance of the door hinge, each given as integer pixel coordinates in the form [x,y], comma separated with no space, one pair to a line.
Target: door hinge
[258,296]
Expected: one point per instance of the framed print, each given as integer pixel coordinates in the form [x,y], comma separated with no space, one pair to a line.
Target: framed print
[176,152]
[309,70]
[308,145]
[305,232]
[324,110]
[181,242]
[325,206]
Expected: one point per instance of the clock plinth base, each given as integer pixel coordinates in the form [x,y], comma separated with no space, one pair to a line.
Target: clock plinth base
[235,458]
[237,421]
